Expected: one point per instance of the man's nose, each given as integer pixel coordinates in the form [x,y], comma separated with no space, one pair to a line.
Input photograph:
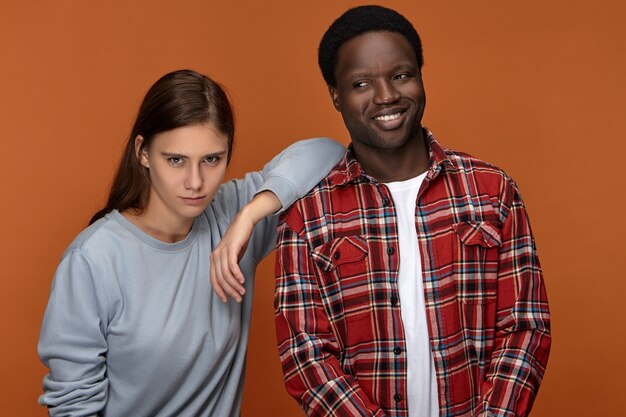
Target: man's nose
[385,92]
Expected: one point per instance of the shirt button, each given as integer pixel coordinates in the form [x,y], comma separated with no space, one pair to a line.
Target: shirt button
[385,201]
[394,300]
[337,255]
[397,350]
[391,250]
[397,398]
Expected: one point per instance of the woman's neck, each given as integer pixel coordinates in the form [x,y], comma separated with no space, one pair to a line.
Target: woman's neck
[160,227]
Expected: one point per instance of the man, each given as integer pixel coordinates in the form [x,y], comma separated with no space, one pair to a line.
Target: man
[407,280]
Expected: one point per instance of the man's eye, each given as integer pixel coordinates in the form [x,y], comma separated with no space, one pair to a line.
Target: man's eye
[401,76]
[360,84]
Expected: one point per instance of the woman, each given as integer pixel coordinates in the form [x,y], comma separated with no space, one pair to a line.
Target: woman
[132,327]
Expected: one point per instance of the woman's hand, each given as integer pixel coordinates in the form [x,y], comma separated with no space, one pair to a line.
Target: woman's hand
[226,276]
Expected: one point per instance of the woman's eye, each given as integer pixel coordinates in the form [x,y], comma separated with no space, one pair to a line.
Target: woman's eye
[175,160]
[211,159]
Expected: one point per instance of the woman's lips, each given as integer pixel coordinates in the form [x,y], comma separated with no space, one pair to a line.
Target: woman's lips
[193,201]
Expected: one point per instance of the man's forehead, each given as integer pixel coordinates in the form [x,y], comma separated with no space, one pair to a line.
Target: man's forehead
[375,48]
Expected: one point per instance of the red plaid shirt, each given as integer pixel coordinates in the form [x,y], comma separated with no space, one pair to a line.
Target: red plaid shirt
[339,330]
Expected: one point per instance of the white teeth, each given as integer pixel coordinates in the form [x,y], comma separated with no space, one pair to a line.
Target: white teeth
[388,117]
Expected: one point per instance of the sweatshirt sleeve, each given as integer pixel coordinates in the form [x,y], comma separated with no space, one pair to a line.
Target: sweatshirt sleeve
[289,175]
[72,342]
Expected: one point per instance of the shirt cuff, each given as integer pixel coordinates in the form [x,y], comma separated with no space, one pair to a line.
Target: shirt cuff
[284,189]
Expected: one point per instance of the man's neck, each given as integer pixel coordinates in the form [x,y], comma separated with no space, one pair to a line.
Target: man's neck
[399,164]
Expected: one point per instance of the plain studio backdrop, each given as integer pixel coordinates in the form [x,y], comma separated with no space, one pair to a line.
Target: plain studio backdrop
[537,88]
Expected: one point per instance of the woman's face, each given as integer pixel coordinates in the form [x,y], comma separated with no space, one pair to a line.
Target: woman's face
[187,165]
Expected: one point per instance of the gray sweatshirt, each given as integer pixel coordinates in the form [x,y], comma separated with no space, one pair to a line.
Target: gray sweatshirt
[133,327]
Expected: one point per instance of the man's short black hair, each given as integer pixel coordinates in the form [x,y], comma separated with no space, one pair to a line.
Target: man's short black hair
[359,20]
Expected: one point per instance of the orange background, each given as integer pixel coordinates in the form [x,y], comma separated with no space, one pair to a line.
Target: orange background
[537,88]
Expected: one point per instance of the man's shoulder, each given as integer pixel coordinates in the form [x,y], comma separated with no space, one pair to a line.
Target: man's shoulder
[466,173]
[310,210]
[454,161]
[466,163]
[335,179]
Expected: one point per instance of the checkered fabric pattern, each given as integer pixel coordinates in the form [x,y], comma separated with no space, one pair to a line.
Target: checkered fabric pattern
[339,329]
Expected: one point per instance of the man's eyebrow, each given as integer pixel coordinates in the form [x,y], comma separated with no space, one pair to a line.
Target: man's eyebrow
[368,74]
[361,74]
[405,67]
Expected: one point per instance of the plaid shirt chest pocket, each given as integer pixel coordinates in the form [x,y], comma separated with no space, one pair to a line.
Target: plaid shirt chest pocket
[475,253]
[343,277]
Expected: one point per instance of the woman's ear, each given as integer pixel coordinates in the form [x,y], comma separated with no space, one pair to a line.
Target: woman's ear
[140,152]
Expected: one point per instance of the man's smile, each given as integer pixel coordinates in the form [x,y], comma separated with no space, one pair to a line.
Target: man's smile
[388,117]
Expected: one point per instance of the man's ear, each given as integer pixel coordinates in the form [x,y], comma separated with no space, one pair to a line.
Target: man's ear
[334,95]
[140,152]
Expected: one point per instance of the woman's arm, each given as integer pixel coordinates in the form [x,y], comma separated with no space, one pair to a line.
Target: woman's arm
[288,176]
[226,276]
[72,343]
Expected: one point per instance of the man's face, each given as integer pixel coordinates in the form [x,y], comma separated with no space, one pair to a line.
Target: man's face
[379,91]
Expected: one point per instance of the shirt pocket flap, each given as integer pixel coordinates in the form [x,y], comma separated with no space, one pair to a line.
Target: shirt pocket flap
[485,234]
[340,251]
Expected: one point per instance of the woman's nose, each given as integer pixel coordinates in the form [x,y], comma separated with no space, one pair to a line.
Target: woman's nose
[195,179]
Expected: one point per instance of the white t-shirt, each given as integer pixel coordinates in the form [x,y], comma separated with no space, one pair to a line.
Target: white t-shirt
[423,399]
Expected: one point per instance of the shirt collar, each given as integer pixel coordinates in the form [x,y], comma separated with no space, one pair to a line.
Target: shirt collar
[349,169]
